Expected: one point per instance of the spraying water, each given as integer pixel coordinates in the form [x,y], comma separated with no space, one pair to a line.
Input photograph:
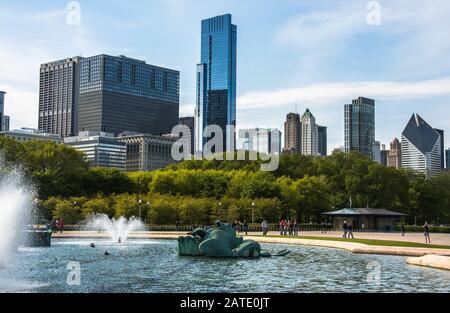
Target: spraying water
[16,210]
[118,229]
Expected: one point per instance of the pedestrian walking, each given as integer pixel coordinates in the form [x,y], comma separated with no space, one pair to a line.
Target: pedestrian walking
[245,228]
[345,229]
[426,232]
[403,229]
[265,227]
[291,228]
[61,225]
[324,228]
[350,231]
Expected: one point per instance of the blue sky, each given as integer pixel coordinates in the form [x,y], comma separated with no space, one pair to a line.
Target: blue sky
[319,54]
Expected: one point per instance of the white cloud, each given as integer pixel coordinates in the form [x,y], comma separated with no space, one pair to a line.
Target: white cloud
[329,93]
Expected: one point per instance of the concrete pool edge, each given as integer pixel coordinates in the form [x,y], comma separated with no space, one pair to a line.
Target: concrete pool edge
[430,260]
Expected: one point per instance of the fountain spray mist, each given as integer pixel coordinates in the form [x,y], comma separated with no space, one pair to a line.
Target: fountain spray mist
[118,229]
[16,210]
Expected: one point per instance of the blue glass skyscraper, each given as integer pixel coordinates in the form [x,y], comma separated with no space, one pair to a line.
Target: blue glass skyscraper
[216,80]
[2,107]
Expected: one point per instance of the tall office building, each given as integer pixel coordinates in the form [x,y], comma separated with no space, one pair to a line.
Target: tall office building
[147,152]
[292,133]
[360,126]
[441,133]
[260,140]
[2,108]
[58,97]
[421,147]
[447,158]
[189,122]
[216,80]
[384,155]
[5,123]
[100,149]
[377,152]
[310,134]
[323,147]
[395,154]
[119,94]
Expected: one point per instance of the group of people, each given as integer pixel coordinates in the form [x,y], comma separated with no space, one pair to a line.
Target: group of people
[240,227]
[288,227]
[58,225]
[348,230]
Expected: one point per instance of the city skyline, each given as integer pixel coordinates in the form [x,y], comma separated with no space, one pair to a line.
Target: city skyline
[267,89]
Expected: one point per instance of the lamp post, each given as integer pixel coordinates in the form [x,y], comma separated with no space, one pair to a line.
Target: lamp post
[220,210]
[253,212]
[140,202]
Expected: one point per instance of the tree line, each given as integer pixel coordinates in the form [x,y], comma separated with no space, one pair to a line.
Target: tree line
[197,192]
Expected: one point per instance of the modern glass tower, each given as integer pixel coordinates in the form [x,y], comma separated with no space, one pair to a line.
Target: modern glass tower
[262,140]
[447,158]
[119,94]
[323,148]
[216,80]
[360,126]
[2,108]
[421,147]
[442,134]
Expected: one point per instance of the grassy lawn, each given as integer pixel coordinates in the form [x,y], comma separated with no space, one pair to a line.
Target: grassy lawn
[372,242]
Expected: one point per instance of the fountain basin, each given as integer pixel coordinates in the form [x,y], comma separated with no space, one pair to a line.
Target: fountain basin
[37,238]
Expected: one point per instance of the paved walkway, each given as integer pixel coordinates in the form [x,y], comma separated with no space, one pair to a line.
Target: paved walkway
[436,239]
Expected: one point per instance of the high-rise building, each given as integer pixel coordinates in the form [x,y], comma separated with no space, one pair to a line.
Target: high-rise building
[100,149]
[119,94]
[2,108]
[260,140]
[323,147]
[310,134]
[377,152]
[292,133]
[441,133]
[58,97]
[360,126]
[421,147]
[216,80]
[395,154]
[447,158]
[384,155]
[6,123]
[147,152]
[189,122]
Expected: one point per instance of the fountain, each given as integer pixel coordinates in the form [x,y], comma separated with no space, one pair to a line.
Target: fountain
[118,229]
[16,211]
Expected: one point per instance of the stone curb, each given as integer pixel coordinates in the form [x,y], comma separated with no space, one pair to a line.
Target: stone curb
[435,261]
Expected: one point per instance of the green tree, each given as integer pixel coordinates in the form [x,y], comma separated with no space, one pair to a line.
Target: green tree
[57,170]
[107,181]
[67,210]
[98,205]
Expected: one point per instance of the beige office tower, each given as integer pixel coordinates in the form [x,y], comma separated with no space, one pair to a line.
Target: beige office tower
[395,154]
[292,133]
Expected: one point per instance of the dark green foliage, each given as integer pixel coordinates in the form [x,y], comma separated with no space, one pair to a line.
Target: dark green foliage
[302,187]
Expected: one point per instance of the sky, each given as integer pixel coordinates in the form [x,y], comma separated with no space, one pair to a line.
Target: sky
[292,54]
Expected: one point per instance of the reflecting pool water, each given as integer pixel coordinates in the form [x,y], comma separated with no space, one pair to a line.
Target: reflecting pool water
[154,266]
